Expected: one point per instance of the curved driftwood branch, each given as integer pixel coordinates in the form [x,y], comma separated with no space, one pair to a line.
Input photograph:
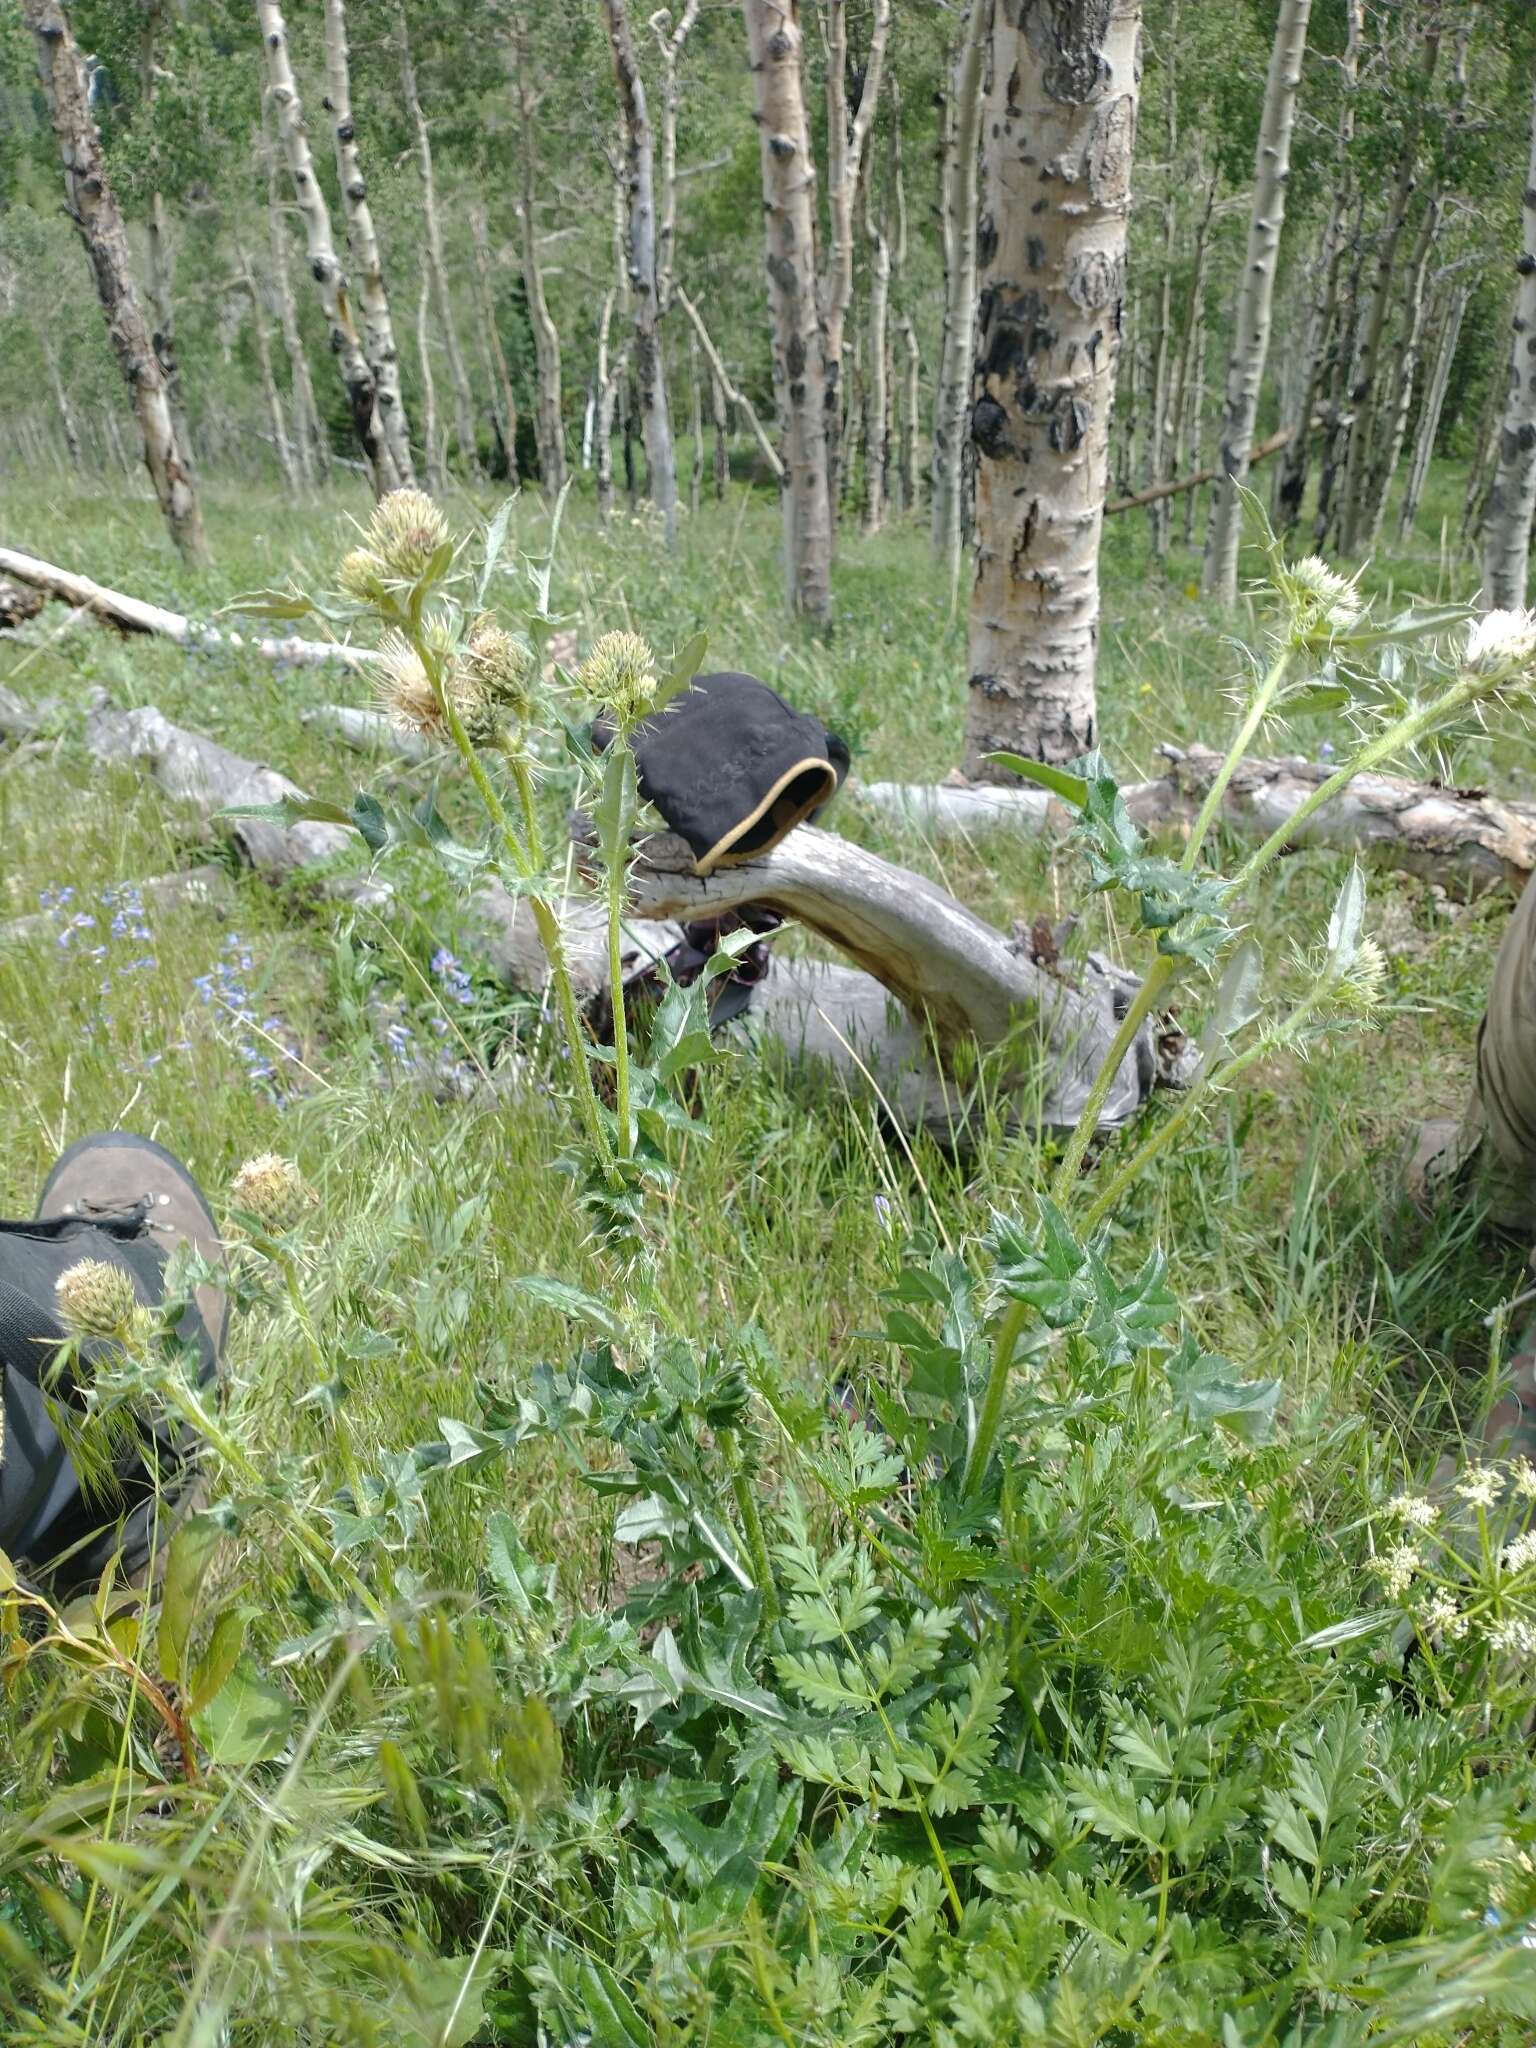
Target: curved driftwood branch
[134,615]
[1463,838]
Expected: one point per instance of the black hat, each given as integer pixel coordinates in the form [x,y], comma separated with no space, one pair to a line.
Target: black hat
[733,768]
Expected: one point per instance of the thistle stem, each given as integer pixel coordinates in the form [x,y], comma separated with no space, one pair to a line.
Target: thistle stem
[1258,711]
[751,1525]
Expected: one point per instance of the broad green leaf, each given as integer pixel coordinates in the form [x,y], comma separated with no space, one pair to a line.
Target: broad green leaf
[495,541]
[221,1654]
[609,2019]
[527,1586]
[1318,697]
[1236,1002]
[190,1554]
[268,604]
[1345,922]
[290,810]
[682,672]
[248,1721]
[1072,789]
[572,1301]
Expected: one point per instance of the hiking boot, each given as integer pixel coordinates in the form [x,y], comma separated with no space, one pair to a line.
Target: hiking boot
[118,1196]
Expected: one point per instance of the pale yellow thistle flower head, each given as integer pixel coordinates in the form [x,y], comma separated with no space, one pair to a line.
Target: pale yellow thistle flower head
[503,667]
[620,674]
[362,575]
[1321,602]
[1501,645]
[408,699]
[96,1299]
[407,531]
[273,1190]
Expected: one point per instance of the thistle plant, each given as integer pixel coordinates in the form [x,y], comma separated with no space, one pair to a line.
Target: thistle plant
[1325,653]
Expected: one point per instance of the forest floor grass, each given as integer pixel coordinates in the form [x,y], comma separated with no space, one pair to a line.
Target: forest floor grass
[1289,1244]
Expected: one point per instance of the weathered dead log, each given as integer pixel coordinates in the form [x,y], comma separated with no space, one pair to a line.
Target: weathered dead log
[134,615]
[1464,839]
[18,603]
[369,732]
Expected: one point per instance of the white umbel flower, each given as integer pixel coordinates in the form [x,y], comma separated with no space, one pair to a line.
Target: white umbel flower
[1520,1554]
[1479,1487]
[1442,1617]
[1414,1510]
[1397,1568]
[1513,1636]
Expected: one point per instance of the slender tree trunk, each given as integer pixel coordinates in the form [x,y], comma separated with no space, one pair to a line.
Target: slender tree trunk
[1474,505]
[877,383]
[367,264]
[1059,126]
[1357,460]
[437,269]
[116,443]
[720,415]
[1163,362]
[847,155]
[1196,425]
[800,371]
[959,223]
[324,265]
[1430,408]
[1255,300]
[607,387]
[269,390]
[92,206]
[1512,499]
[161,267]
[308,430]
[1292,485]
[1187,383]
[640,192]
[911,420]
[1127,407]
[437,468]
[1339,370]
[548,410]
[485,277]
[696,427]
[1405,372]
[669,42]
[61,400]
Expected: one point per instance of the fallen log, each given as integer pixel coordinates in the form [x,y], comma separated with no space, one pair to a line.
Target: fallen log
[18,604]
[1464,839]
[134,615]
[929,974]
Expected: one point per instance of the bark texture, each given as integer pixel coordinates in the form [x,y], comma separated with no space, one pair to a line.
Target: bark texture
[1059,124]
[800,368]
[367,263]
[641,265]
[1512,499]
[958,206]
[92,206]
[1255,300]
[1431,405]
[847,157]
[324,264]
[548,410]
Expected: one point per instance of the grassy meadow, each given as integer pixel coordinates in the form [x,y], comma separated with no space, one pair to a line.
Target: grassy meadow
[293,1897]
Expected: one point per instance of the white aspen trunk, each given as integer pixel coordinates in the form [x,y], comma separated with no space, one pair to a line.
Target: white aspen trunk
[485,277]
[161,265]
[1255,299]
[1127,408]
[800,370]
[669,42]
[606,394]
[458,376]
[729,392]
[1480,476]
[720,417]
[959,223]
[1196,424]
[1059,126]
[1188,381]
[1431,407]
[437,468]
[269,390]
[548,419]
[1512,499]
[1362,392]
[308,430]
[696,427]
[640,193]
[847,155]
[877,383]
[1163,361]
[1405,368]
[1292,484]
[911,420]
[324,265]
[367,264]
[61,400]
[92,205]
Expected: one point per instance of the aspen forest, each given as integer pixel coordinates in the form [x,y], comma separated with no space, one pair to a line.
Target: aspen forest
[773,760]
